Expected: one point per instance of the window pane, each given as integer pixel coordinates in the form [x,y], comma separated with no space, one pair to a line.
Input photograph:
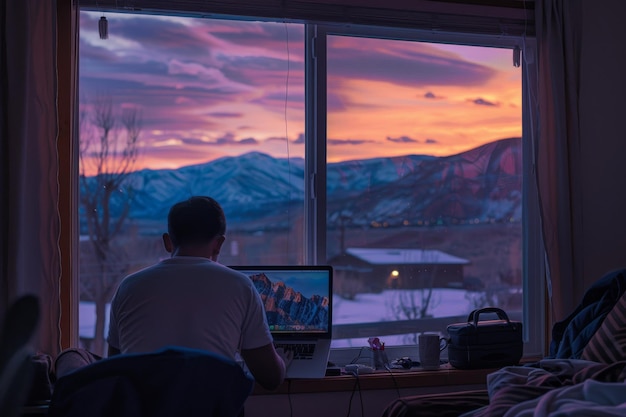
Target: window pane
[424,194]
[424,153]
[173,107]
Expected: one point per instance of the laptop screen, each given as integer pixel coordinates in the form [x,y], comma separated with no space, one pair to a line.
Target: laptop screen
[297,299]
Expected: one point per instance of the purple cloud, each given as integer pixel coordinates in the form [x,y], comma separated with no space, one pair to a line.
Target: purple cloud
[432,96]
[403,63]
[226,115]
[188,75]
[229,139]
[198,53]
[483,102]
[337,142]
[300,140]
[194,142]
[402,139]
[247,141]
[276,138]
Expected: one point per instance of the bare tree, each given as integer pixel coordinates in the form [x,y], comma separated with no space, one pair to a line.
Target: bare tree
[414,304]
[108,152]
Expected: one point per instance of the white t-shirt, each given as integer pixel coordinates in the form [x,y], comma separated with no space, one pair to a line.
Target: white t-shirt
[191,302]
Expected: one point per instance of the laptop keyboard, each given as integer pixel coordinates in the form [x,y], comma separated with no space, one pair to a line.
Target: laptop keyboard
[300,350]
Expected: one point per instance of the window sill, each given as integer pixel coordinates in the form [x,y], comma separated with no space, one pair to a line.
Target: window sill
[383,380]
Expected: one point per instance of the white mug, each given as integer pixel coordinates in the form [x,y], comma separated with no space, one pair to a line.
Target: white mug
[430,346]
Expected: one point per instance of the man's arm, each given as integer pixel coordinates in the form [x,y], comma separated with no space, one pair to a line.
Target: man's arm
[267,365]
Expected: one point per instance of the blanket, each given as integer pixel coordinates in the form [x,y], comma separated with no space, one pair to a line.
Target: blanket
[556,387]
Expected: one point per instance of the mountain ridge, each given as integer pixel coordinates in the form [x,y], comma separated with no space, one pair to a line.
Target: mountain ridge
[286,307]
[482,184]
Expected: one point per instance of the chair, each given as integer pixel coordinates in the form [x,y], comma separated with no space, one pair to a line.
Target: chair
[16,367]
[171,382]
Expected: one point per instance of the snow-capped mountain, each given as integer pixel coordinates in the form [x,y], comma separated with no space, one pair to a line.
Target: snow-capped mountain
[285,306]
[483,183]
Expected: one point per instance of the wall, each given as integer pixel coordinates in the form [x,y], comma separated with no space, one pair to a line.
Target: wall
[603,137]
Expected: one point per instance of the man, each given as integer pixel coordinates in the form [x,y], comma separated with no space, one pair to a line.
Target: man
[191,300]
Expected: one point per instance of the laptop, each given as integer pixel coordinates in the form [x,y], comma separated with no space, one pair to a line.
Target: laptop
[298,306]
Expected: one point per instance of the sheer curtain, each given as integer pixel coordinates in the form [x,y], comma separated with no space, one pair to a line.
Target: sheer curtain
[29,197]
[558,149]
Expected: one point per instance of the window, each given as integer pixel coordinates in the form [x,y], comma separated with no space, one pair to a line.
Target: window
[425,182]
[400,159]
[173,107]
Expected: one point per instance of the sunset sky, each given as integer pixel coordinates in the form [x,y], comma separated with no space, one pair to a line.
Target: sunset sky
[211,88]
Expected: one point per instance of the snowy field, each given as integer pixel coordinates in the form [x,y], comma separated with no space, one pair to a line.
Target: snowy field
[368,308]
[365,308]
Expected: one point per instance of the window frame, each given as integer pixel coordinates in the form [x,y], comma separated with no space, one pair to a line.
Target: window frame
[315,161]
[533,315]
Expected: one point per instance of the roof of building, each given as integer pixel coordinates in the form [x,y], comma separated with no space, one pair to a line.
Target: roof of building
[405,256]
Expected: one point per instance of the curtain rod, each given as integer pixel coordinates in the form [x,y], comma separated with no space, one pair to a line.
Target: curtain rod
[416,14]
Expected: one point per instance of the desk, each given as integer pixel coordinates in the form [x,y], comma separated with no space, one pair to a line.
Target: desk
[335,391]
[383,380]
[345,396]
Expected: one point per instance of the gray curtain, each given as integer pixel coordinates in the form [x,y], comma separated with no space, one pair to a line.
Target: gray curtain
[29,197]
[558,149]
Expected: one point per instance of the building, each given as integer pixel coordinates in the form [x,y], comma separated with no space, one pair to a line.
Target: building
[372,270]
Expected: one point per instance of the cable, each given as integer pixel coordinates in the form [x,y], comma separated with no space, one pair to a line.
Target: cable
[356,384]
[393,378]
[356,359]
[289,397]
[361,401]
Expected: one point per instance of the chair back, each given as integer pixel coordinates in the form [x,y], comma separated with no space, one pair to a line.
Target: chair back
[171,382]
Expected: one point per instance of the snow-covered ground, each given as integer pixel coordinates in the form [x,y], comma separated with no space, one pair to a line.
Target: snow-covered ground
[365,308]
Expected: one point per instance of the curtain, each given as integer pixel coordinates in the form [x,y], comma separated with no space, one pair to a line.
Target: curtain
[558,149]
[29,197]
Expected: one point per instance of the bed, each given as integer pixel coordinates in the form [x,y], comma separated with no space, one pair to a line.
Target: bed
[585,374]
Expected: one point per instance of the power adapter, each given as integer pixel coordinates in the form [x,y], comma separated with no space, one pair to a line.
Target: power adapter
[358,368]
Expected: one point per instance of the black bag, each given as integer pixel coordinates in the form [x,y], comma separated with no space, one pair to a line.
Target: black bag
[485,344]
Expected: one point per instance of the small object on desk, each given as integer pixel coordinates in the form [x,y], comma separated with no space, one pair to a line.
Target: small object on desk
[430,346]
[333,371]
[358,369]
[379,356]
[403,363]
[485,344]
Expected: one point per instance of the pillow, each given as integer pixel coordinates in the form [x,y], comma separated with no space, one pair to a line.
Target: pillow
[608,344]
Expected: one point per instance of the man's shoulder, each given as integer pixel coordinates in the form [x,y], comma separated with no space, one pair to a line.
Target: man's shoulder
[187,267]
[141,272]
[232,274]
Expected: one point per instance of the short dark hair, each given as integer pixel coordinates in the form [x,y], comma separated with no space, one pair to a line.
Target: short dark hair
[196,220]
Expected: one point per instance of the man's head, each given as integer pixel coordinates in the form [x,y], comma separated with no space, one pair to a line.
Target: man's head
[196,227]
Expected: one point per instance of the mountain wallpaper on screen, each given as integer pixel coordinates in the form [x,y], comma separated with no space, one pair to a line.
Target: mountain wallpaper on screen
[255,189]
[285,306]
